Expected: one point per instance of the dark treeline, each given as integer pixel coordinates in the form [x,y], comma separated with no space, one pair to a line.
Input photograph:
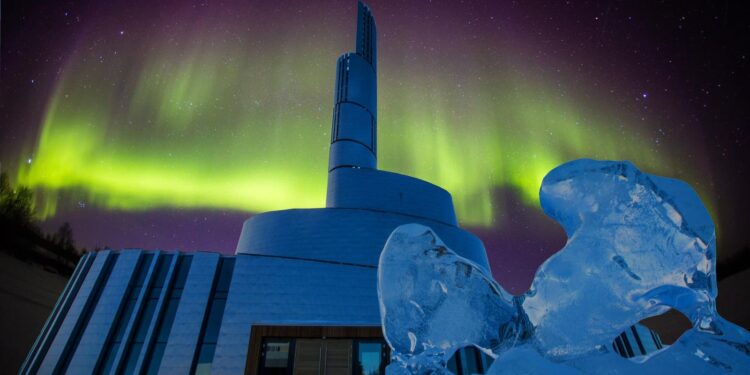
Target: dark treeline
[22,237]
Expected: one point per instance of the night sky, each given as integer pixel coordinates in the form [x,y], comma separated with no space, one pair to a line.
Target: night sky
[164,125]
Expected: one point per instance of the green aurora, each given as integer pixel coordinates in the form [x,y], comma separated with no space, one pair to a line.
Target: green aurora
[206,121]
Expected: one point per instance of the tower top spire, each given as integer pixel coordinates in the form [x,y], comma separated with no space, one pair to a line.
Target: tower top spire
[366,34]
[354,128]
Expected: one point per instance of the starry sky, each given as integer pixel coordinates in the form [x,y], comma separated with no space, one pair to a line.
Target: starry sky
[164,125]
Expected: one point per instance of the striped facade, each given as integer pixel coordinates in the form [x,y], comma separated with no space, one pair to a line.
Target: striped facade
[121,309]
[149,312]
[639,340]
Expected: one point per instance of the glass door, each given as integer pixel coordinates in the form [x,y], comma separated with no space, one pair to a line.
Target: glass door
[314,350]
[322,357]
[308,357]
[275,357]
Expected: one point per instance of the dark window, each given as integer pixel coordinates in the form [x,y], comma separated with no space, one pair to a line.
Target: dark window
[276,357]
[163,270]
[626,343]
[620,348]
[453,364]
[156,355]
[143,268]
[131,360]
[121,322]
[166,324]
[145,321]
[109,358]
[182,272]
[316,349]
[147,314]
[469,361]
[96,292]
[167,319]
[124,318]
[225,274]
[279,355]
[205,358]
[370,355]
[638,340]
[212,323]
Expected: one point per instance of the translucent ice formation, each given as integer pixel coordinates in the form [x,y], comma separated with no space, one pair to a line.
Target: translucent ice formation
[433,302]
[637,246]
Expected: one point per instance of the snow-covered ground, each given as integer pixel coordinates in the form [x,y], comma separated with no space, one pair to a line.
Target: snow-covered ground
[27,295]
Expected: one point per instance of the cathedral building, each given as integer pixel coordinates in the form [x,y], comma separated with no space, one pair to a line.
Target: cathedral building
[298,297]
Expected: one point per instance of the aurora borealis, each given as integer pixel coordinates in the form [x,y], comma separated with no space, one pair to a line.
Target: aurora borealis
[202,108]
[208,120]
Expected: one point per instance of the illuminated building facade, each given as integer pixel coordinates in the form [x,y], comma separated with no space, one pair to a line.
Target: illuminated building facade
[298,297]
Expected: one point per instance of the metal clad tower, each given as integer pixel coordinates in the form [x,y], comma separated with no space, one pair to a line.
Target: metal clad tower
[354,128]
[366,35]
[299,276]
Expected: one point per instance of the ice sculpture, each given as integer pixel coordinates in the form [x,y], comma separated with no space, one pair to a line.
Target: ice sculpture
[637,246]
[423,286]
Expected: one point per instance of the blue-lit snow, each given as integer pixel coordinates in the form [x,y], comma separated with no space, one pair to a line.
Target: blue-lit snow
[637,246]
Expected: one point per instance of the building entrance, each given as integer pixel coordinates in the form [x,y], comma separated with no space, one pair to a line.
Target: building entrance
[285,350]
[317,356]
